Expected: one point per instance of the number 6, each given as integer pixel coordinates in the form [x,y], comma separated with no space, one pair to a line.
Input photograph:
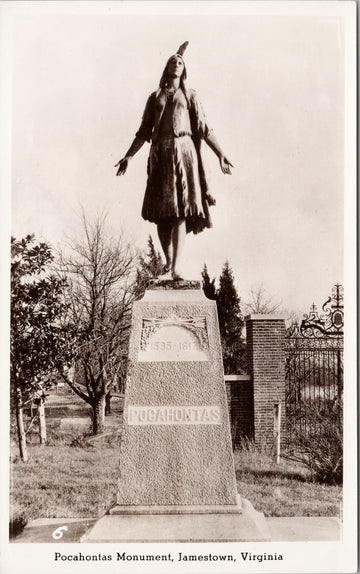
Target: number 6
[58,533]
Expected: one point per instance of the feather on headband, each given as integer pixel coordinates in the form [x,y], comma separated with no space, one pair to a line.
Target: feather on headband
[182,48]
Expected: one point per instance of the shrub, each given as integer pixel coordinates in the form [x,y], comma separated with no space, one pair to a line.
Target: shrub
[317,439]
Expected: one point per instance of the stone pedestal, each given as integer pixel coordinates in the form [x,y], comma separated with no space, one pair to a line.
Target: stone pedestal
[177,477]
[176,448]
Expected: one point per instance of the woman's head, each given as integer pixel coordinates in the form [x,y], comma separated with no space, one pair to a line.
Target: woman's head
[175,68]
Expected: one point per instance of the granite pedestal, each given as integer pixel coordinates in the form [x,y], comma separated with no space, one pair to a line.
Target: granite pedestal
[177,471]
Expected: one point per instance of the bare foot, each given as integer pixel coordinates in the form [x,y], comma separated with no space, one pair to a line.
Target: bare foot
[177,276]
[166,268]
[165,276]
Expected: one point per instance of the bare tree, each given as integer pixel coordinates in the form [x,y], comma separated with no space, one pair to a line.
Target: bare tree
[291,317]
[260,302]
[100,273]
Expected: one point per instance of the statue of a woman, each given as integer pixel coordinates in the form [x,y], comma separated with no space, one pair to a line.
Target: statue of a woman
[176,196]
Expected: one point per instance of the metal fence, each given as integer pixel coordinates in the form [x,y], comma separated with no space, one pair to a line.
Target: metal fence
[314,370]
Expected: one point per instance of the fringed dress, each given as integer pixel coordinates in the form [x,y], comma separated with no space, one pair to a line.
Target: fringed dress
[176,185]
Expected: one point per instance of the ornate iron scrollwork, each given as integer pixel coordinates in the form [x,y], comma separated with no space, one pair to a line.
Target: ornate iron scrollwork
[325,329]
[331,322]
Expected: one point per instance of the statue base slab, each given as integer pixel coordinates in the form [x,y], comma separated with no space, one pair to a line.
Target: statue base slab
[246,526]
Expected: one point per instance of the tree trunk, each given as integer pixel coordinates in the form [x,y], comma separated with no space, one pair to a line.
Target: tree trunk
[107,404]
[20,425]
[98,415]
[42,423]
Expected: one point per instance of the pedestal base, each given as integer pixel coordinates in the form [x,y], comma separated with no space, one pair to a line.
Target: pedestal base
[180,509]
[246,525]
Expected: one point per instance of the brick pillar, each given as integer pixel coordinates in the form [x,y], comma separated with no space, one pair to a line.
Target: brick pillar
[265,336]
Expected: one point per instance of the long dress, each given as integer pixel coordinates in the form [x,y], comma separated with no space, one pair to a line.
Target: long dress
[176,186]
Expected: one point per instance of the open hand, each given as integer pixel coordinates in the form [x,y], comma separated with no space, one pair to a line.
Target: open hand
[225,165]
[123,164]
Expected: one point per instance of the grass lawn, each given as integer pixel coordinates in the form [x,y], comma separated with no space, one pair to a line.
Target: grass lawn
[285,489]
[74,481]
[64,481]
[69,478]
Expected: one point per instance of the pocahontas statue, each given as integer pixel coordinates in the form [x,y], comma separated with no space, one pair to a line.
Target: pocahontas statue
[176,198]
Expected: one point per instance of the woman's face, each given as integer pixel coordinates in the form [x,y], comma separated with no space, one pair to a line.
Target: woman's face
[175,66]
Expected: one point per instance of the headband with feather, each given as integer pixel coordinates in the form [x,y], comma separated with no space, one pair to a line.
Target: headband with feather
[182,49]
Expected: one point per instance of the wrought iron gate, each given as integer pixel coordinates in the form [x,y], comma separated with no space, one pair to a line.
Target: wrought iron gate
[314,369]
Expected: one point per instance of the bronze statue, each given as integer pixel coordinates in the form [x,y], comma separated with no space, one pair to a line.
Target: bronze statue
[176,197]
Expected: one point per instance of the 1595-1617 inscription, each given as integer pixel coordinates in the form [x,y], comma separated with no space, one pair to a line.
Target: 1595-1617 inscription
[173,346]
[174,339]
[174,415]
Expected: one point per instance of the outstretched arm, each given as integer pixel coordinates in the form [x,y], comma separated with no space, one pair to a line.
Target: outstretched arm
[215,146]
[133,149]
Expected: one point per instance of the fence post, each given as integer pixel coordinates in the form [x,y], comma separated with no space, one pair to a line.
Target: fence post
[42,422]
[265,337]
[277,432]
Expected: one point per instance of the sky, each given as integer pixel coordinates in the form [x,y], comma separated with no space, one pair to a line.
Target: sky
[272,84]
